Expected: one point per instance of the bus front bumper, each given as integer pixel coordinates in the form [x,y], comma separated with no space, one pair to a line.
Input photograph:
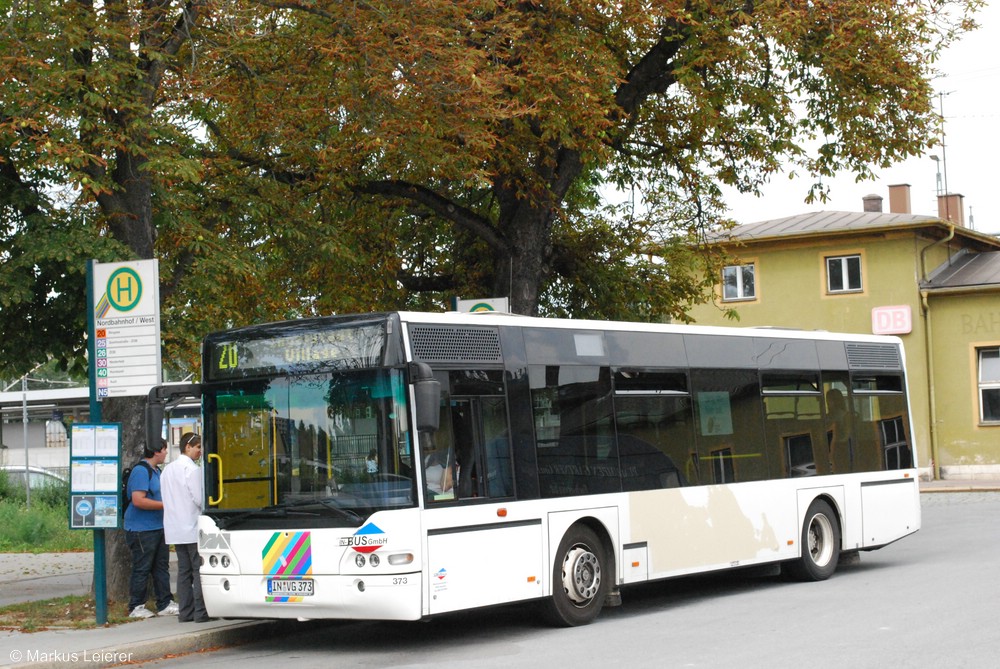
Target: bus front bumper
[367,597]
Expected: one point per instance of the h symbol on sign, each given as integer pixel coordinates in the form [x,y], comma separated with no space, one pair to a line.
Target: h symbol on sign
[123,287]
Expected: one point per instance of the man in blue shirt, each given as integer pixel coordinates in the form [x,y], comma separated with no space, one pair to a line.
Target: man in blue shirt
[144,536]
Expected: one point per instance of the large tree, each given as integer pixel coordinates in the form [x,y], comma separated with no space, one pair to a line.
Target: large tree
[86,140]
[293,157]
[492,125]
[103,155]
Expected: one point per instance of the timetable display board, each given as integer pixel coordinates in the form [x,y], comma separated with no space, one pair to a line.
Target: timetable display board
[94,475]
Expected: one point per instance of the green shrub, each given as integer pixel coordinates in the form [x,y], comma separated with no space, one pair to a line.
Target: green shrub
[48,495]
[54,496]
[8,491]
[41,528]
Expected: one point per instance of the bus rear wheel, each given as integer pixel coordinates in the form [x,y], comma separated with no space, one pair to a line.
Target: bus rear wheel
[820,544]
[579,582]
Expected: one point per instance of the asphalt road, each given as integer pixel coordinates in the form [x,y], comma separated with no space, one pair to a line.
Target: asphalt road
[926,601]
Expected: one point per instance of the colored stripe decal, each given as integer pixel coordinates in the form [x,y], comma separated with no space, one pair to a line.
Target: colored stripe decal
[288,554]
[103,306]
[300,560]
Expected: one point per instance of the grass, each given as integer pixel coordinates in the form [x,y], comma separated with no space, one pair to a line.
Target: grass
[41,528]
[71,612]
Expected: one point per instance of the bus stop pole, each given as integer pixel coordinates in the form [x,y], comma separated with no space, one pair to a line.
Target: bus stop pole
[100,572]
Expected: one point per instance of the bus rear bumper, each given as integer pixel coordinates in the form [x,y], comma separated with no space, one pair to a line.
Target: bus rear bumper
[385,597]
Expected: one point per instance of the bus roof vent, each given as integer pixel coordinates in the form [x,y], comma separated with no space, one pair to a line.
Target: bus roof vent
[433,343]
[873,356]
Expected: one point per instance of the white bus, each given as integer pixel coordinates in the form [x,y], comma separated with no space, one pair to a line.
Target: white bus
[402,465]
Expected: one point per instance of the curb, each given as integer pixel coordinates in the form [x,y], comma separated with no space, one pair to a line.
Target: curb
[156,649]
[956,487]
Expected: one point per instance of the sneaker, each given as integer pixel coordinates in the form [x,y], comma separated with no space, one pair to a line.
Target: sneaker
[170,609]
[141,612]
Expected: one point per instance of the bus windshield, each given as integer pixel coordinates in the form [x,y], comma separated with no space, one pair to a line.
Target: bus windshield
[313,450]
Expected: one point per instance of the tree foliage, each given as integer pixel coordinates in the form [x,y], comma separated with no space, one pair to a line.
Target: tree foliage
[494,126]
[297,157]
[292,157]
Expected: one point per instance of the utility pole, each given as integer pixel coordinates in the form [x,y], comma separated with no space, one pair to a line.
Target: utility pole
[24,419]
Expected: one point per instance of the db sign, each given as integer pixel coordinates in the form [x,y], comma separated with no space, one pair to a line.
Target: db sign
[892,320]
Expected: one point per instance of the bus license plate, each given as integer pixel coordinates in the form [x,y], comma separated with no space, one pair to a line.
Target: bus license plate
[299,587]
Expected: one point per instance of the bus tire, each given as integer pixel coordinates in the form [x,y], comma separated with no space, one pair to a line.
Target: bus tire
[820,544]
[579,578]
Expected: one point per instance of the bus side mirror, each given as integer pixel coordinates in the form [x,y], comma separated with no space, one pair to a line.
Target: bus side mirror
[427,391]
[155,410]
[156,406]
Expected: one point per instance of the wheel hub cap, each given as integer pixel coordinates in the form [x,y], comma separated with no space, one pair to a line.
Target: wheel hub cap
[582,575]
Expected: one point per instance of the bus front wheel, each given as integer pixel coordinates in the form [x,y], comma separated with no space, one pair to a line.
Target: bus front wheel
[820,544]
[579,581]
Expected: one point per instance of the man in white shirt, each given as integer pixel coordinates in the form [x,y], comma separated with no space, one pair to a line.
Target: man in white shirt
[183,489]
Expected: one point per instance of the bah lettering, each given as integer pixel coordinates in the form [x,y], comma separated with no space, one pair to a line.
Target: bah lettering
[981,323]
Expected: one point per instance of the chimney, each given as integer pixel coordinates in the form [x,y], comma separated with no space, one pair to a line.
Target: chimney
[899,199]
[951,208]
[872,204]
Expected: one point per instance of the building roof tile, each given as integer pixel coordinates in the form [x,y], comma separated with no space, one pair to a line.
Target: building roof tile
[825,222]
[967,270]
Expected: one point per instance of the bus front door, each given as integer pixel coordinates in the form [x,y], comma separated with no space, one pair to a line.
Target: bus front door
[481,548]
[241,464]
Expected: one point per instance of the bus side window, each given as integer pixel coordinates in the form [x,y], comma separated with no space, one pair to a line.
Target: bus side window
[793,424]
[576,449]
[840,419]
[655,428]
[881,419]
[499,474]
[729,417]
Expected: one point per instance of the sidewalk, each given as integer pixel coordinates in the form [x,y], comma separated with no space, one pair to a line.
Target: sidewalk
[27,577]
[960,485]
[149,639]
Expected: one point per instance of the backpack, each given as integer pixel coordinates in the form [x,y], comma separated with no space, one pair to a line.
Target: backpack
[126,473]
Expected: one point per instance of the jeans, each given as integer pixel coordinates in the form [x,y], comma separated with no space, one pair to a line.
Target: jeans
[150,556]
[189,597]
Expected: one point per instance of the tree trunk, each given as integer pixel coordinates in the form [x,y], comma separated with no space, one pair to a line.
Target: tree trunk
[130,211]
[527,223]
[523,271]
[128,411]
[131,222]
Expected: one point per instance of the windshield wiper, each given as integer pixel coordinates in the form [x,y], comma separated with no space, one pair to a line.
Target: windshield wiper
[297,508]
[267,512]
[329,504]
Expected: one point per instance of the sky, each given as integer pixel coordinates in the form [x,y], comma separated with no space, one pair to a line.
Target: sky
[971,83]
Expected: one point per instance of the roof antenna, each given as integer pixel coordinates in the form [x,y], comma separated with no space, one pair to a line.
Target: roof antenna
[944,155]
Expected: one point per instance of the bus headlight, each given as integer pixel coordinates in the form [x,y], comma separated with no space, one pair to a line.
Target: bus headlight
[359,560]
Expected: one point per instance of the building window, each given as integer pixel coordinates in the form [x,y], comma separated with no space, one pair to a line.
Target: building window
[989,385]
[843,274]
[738,282]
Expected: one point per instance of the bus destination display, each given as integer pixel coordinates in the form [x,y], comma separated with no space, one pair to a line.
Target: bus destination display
[295,352]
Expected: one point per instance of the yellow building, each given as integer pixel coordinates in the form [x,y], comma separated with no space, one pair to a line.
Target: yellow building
[930,280]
